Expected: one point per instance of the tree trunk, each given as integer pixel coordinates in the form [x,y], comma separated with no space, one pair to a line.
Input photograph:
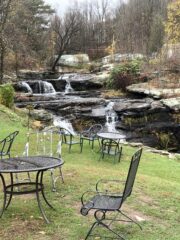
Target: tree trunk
[16,63]
[56,62]
[1,61]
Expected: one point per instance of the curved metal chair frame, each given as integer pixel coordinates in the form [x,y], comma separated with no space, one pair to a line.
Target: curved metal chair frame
[6,144]
[111,147]
[104,202]
[44,145]
[69,139]
[90,135]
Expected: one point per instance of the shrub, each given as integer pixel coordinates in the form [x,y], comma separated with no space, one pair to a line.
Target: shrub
[163,139]
[7,95]
[123,75]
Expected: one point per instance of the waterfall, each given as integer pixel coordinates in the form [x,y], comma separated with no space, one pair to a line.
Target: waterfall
[68,88]
[45,87]
[64,123]
[111,117]
[40,86]
[48,87]
[26,86]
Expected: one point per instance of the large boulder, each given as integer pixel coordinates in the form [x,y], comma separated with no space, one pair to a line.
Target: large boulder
[42,116]
[136,105]
[157,93]
[172,103]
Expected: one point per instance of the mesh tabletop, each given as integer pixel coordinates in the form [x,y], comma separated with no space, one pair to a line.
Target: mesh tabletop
[29,164]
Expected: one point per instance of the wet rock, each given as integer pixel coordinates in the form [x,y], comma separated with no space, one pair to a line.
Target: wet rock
[42,116]
[132,105]
[28,74]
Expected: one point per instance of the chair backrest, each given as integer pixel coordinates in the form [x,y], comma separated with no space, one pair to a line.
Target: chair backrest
[46,142]
[94,129]
[6,144]
[67,136]
[132,174]
[110,145]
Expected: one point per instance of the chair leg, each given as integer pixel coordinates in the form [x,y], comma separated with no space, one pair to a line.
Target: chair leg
[53,181]
[90,230]
[99,221]
[61,174]
[81,143]
[107,227]
[92,144]
[69,148]
[130,219]
[120,153]
[29,177]
[101,156]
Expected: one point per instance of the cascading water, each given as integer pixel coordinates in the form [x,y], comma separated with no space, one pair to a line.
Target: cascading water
[46,87]
[27,87]
[64,123]
[111,117]
[68,87]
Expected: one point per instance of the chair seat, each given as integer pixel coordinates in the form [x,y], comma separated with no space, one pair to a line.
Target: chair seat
[72,142]
[102,202]
[88,138]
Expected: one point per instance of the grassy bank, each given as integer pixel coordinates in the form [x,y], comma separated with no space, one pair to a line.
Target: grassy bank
[155,199]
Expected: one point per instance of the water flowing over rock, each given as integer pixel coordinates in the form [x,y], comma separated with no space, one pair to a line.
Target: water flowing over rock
[111,117]
[47,87]
[79,82]
[26,86]
[35,87]
[63,123]
[150,121]
[68,88]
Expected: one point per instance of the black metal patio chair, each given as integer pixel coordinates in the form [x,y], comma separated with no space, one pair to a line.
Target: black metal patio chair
[69,138]
[110,147]
[90,135]
[45,143]
[6,145]
[104,202]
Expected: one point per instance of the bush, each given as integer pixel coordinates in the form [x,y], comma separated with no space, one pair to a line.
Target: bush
[123,75]
[7,95]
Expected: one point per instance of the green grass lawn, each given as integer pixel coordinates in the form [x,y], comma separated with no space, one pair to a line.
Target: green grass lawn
[155,197]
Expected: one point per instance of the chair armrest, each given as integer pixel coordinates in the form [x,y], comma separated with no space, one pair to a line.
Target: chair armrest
[103,181]
[88,193]
[84,194]
[84,133]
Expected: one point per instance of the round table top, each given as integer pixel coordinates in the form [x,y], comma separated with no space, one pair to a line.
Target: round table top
[29,164]
[111,135]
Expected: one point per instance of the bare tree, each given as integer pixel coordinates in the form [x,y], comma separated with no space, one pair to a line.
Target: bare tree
[4,11]
[65,31]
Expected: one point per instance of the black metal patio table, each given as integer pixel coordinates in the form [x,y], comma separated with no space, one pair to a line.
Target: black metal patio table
[37,164]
